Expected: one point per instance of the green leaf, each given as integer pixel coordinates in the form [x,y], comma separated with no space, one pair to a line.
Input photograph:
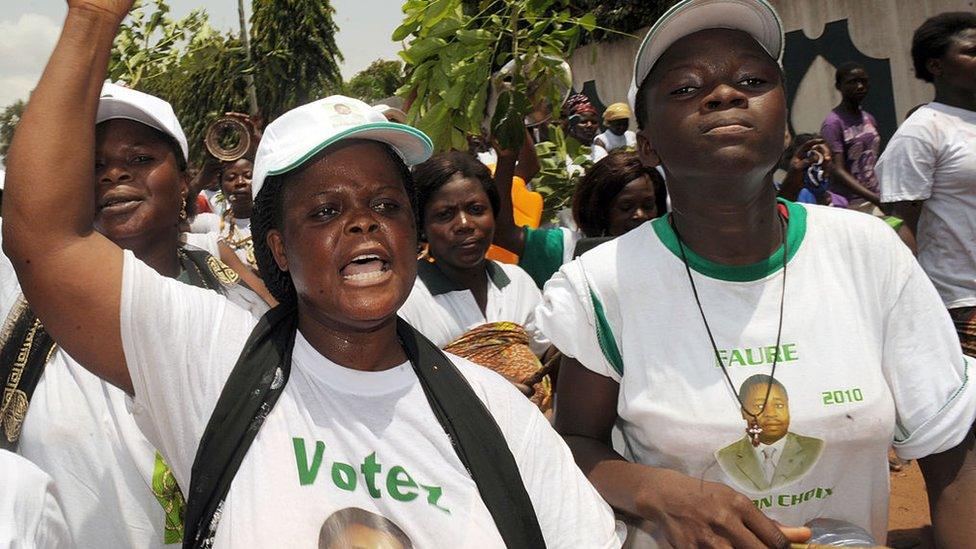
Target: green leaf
[404,31]
[437,10]
[588,22]
[421,49]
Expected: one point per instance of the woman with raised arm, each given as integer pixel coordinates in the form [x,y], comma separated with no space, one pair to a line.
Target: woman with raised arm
[758,356]
[326,402]
[116,489]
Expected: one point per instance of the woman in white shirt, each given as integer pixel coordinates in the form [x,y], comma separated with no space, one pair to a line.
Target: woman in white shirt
[756,357]
[462,301]
[351,409]
[928,170]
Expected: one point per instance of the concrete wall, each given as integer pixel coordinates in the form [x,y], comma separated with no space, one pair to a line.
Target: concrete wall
[879,29]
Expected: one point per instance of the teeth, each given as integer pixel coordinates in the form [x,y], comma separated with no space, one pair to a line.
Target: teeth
[366,257]
[365,276]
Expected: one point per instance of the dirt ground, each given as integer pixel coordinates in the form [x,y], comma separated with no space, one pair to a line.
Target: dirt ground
[908,512]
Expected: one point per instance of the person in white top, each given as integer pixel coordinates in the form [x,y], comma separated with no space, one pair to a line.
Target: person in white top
[352,424]
[235,224]
[116,488]
[928,171]
[30,510]
[673,325]
[461,300]
[616,118]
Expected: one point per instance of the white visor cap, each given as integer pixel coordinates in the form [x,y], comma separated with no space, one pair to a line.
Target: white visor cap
[301,133]
[120,102]
[755,17]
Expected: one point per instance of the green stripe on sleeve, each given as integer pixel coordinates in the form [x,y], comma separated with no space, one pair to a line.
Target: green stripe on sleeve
[604,336]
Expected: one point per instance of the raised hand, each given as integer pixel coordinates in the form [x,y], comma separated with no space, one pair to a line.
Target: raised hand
[116,9]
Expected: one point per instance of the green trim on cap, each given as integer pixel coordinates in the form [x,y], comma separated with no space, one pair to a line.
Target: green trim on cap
[795,231]
[409,130]
[681,6]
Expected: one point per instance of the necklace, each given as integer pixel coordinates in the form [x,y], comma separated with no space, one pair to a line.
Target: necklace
[753,429]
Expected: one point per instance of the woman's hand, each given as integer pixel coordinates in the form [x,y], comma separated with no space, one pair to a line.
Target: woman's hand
[802,159]
[116,9]
[696,513]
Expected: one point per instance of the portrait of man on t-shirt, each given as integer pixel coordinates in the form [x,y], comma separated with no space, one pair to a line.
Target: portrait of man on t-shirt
[781,457]
[357,528]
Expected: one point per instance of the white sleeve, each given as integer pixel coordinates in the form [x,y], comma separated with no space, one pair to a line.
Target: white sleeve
[929,377]
[568,318]
[564,500]
[906,169]
[30,513]
[180,344]
[527,297]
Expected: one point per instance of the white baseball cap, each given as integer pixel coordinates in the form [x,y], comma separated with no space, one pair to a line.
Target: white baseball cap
[301,133]
[756,17]
[118,101]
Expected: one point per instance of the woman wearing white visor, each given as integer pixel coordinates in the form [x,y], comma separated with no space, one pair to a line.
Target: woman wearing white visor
[333,402]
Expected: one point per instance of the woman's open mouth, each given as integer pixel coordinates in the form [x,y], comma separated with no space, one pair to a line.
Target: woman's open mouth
[366,268]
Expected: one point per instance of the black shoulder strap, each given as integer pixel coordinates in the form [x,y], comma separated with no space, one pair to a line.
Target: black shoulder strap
[24,351]
[247,398]
[586,244]
[206,271]
[477,439]
[256,383]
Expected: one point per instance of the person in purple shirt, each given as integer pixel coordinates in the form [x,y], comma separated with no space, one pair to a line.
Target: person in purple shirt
[853,138]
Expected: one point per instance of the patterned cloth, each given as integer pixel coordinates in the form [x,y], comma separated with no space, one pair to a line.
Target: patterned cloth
[964,319]
[504,348]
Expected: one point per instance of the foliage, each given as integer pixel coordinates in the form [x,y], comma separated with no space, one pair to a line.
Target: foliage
[453,53]
[9,119]
[201,71]
[379,80]
[149,45]
[296,57]
[614,18]
[557,179]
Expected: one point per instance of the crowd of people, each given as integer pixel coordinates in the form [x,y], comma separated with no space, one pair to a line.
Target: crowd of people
[312,344]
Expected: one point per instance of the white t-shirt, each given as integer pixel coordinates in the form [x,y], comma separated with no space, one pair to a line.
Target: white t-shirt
[868,356]
[443,312]
[237,235]
[209,242]
[932,157]
[79,430]
[611,141]
[205,222]
[337,438]
[30,514]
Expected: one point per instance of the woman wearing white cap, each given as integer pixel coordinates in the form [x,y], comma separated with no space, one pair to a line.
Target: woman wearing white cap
[758,357]
[117,491]
[333,402]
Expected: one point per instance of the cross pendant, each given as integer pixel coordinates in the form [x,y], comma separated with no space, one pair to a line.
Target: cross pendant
[753,431]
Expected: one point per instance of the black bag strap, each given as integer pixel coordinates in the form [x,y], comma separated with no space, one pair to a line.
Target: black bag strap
[247,398]
[256,383]
[477,439]
[25,348]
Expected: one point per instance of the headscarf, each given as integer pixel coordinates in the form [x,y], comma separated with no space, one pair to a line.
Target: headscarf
[617,111]
[577,105]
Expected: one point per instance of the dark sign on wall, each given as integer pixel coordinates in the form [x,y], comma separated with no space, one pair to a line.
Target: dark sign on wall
[835,45]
